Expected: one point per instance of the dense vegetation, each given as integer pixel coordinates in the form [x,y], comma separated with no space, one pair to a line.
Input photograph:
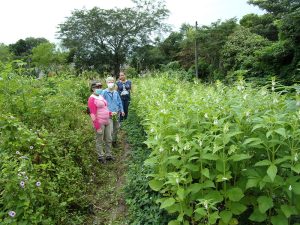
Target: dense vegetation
[257,46]
[222,151]
[222,154]
[46,149]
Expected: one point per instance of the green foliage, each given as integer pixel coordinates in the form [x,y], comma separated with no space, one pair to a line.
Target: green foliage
[22,48]
[105,36]
[5,54]
[46,158]
[263,25]
[239,51]
[221,155]
[139,197]
[45,56]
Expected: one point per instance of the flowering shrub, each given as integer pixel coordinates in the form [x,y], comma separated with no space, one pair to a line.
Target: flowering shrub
[46,160]
[222,154]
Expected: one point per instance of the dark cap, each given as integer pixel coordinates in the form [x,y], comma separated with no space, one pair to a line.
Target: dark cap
[95,83]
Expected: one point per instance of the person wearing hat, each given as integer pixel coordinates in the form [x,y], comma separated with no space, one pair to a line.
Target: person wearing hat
[115,107]
[100,114]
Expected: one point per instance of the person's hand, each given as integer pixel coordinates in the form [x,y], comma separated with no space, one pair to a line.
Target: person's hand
[99,130]
[122,113]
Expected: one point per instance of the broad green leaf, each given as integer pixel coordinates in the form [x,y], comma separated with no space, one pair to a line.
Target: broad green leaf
[156,185]
[215,196]
[264,203]
[239,157]
[201,211]
[205,172]
[257,216]
[279,220]
[167,203]
[252,141]
[288,210]
[180,193]
[257,126]
[209,156]
[174,222]
[281,131]
[208,184]
[213,218]
[263,163]
[272,171]
[192,167]
[237,208]
[296,188]
[296,168]
[226,216]
[235,194]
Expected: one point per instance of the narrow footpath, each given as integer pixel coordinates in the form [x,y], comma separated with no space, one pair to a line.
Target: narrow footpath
[107,205]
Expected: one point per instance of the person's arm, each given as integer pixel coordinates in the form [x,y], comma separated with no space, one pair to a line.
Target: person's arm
[93,112]
[119,103]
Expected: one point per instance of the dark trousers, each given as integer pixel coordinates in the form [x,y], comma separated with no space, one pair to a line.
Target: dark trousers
[125,103]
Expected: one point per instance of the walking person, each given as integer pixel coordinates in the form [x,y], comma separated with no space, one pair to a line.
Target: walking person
[100,114]
[124,89]
[115,107]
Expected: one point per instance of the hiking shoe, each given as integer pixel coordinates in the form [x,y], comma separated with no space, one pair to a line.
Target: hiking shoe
[110,158]
[101,160]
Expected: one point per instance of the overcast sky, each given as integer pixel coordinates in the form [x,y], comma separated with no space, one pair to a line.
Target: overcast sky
[20,19]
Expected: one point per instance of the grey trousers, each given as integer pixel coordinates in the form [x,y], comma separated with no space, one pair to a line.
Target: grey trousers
[115,128]
[104,138]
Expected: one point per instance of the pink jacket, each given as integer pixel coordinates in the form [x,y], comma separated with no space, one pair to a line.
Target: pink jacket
[98,111]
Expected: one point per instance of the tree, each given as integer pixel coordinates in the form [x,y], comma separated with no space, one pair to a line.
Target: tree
[263,25]
[22,48]
[45,56]
[239,52]
[113,32]
[5,54]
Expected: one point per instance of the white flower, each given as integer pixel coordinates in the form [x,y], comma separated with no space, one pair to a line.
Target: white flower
[290,188]
[26,178]
[275,100]
[205,115]
[177,138]
[38,183]
[173,148]
[200,143]
[240,88]
[161,149]
[12,213]
[31,147]
[18,153]
[216,122]
[205,203]
[22,184]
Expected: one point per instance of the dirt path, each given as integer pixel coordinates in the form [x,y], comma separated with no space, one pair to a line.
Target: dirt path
[107,200]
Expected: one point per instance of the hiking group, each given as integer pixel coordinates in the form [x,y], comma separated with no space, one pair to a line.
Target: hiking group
[108,108]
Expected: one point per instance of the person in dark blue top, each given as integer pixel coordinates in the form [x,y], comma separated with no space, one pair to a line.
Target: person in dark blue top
[124,89]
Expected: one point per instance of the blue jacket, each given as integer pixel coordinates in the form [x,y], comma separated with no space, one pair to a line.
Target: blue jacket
[113,99]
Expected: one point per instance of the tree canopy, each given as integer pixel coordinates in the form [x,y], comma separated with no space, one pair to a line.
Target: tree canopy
[107,36]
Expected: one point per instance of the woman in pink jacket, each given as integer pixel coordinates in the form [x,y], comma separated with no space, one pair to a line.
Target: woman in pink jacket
[100,116]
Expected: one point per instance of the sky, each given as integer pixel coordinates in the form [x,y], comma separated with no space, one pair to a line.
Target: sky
[20,19]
